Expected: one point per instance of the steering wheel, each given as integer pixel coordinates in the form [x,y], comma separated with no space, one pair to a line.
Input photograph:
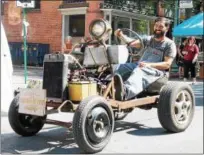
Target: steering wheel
[132,35]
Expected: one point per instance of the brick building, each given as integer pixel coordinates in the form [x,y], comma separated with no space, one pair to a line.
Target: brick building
[51,21]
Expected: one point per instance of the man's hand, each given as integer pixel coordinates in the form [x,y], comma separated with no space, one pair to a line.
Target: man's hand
[166,64]
[118,32]
[144,64]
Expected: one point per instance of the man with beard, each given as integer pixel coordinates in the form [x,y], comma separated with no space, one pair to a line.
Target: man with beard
[133,78]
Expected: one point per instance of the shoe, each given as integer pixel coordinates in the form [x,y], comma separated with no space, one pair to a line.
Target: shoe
[119,88]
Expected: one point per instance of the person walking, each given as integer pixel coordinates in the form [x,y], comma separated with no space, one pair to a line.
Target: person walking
[179,58]
[190,52]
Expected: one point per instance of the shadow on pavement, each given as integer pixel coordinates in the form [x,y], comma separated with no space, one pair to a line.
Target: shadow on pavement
[141,130]
[56,141]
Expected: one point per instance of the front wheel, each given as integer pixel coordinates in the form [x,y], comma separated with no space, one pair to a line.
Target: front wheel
[24,124]
[93,124]
[176,106]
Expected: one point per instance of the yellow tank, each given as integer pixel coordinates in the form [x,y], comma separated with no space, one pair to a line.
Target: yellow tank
[81,89]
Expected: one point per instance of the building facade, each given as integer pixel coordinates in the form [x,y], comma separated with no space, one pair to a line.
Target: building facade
[51,21]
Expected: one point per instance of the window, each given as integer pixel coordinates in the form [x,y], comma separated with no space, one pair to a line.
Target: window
[169,9]
[140,26]
[37,6]
[77,25]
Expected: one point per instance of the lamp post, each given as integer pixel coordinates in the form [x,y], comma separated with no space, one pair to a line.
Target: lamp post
[24,43]
[25,4]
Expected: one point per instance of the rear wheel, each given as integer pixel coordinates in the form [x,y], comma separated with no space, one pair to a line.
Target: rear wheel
[176,106]
[93,124]
[23,124]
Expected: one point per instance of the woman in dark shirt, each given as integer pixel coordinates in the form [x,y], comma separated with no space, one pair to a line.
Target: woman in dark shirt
[190,52]
[179,58]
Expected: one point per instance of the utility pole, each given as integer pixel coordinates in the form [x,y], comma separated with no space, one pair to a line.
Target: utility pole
[176,17]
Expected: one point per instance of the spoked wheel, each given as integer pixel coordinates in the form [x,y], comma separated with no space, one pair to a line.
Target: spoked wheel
[93,124]
[23,124]
[183,107]
[176,107]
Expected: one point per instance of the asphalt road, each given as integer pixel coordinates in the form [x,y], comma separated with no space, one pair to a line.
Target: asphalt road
[139,132]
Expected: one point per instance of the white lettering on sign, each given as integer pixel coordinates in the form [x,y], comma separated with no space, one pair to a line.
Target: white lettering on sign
[186,4]
[32,101]
[25,3]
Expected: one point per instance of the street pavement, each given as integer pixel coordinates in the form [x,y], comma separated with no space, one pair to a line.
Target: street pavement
[139,132]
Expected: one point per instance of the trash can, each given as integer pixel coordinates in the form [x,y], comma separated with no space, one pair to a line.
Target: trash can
[35,53]
[42,50]
[16,53]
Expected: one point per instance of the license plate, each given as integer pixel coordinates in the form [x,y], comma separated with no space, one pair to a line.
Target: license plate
[32,101]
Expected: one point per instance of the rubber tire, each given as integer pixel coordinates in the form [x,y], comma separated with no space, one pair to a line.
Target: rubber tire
[15,123]
[79,123]
[165,106]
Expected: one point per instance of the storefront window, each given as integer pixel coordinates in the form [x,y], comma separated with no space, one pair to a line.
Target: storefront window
[169,9]
[123,22]
[77,25]
[119,23]
[140,26]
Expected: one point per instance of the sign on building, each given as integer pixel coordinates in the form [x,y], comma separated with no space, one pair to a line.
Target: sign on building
[186,4]
[182,14]
[25,3]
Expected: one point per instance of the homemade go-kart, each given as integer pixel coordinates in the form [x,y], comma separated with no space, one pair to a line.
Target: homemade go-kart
[88,90]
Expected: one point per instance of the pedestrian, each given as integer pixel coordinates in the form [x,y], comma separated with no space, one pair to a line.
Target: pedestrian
[179,58]
[190,52]
[67,47]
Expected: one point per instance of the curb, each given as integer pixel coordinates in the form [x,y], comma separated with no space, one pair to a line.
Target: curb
[28,67]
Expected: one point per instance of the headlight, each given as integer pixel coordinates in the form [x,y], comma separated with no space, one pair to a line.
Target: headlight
[100,29]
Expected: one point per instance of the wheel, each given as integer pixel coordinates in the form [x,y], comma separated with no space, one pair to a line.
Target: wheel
[176,106]
[23,124]
[93,124]
[132,35]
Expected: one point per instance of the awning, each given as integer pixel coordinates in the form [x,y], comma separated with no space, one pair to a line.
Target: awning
[190,27]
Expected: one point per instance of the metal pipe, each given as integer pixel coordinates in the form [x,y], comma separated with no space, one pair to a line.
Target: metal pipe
[60,123]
